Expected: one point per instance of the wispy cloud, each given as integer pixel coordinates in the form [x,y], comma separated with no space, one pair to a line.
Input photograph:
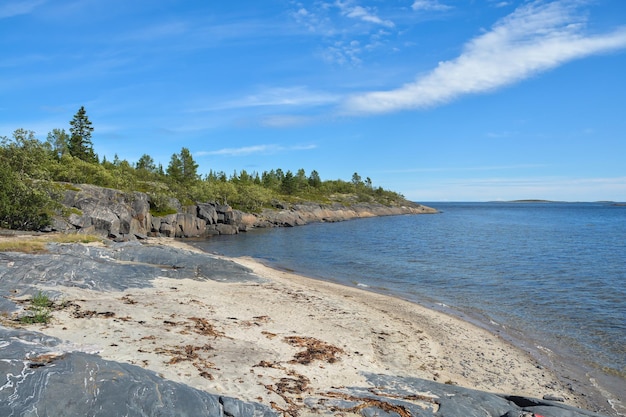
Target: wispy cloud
[362,13]
[429,5]
[534,38]
[11,8]
[502,3]
[278,96]
[256,149]
[348,31]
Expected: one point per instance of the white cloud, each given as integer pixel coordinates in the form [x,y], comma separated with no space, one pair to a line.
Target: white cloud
[281,96]
[534,38]
[19,7]
[429,5]
[345,39]
[344,53]
[361,13]
[256,149]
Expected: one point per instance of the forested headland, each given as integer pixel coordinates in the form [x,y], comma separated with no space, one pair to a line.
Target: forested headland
[34,172]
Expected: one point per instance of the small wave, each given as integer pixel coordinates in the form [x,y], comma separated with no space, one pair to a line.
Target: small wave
[544,349]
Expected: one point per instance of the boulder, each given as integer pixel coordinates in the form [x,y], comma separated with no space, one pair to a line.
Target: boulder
[105,211]
[226,229]
[207,212]
[188,225]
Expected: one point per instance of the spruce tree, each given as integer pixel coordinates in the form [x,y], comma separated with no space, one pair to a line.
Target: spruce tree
[182,168]
[190,167]
[80,145]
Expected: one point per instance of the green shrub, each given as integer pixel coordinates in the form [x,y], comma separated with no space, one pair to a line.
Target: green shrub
[41,300]
[24,204]
[39,310]
[160,205]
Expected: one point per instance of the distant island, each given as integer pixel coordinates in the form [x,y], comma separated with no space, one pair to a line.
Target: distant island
[533,201]
[560,202]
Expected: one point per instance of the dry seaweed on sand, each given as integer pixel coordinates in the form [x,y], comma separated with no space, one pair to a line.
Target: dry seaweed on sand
[315,350]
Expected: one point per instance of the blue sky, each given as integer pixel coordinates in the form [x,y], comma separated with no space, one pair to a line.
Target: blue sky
[441,100]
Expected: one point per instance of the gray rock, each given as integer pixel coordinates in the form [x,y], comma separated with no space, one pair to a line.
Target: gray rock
[123,215]
[118,267]
[550,397]
[227,229]
[208,213]
[43,378]
[188,225]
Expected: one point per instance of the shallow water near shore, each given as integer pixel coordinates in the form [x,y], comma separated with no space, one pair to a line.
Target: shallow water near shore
[551,277]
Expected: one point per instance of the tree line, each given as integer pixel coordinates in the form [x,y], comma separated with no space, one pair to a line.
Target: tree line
[33,174]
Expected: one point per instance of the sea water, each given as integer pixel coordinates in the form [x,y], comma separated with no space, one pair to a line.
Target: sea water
[551,277]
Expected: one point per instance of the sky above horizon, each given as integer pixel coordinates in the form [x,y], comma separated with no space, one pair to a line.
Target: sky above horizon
[440,100]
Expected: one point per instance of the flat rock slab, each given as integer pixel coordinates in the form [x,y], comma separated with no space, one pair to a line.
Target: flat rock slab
[40,377]
[114,268]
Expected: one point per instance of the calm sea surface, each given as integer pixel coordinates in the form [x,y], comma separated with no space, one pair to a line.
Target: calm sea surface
[546,275]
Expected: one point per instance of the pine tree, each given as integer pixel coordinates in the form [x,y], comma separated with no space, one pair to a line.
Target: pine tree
[175,168]
[288,183]
[80,145]
[146,163]
[190,167]
[182,168]
[314,179]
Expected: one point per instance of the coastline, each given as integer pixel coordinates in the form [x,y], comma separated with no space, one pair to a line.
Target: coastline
[243,338]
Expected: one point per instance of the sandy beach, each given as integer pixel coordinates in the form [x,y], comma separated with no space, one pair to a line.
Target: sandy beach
[287,338]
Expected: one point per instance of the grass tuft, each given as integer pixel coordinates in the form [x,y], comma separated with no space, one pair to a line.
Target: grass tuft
[39,310]
[25,246]
[38,244]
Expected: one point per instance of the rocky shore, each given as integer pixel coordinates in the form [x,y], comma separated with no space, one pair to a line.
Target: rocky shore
[158,328]
[126,216]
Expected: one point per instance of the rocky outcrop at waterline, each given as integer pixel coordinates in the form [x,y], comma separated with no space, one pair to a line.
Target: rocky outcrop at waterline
[126,215]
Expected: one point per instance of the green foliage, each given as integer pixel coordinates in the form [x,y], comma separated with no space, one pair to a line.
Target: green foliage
[28,167]
[24,203]
[288,184]
[58,140]
[79,144]
[39,310]
[146,163]
[182,168]
[38,316]
[26,155]
[78,171]
[160,204]
[314,179]
[41,300]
